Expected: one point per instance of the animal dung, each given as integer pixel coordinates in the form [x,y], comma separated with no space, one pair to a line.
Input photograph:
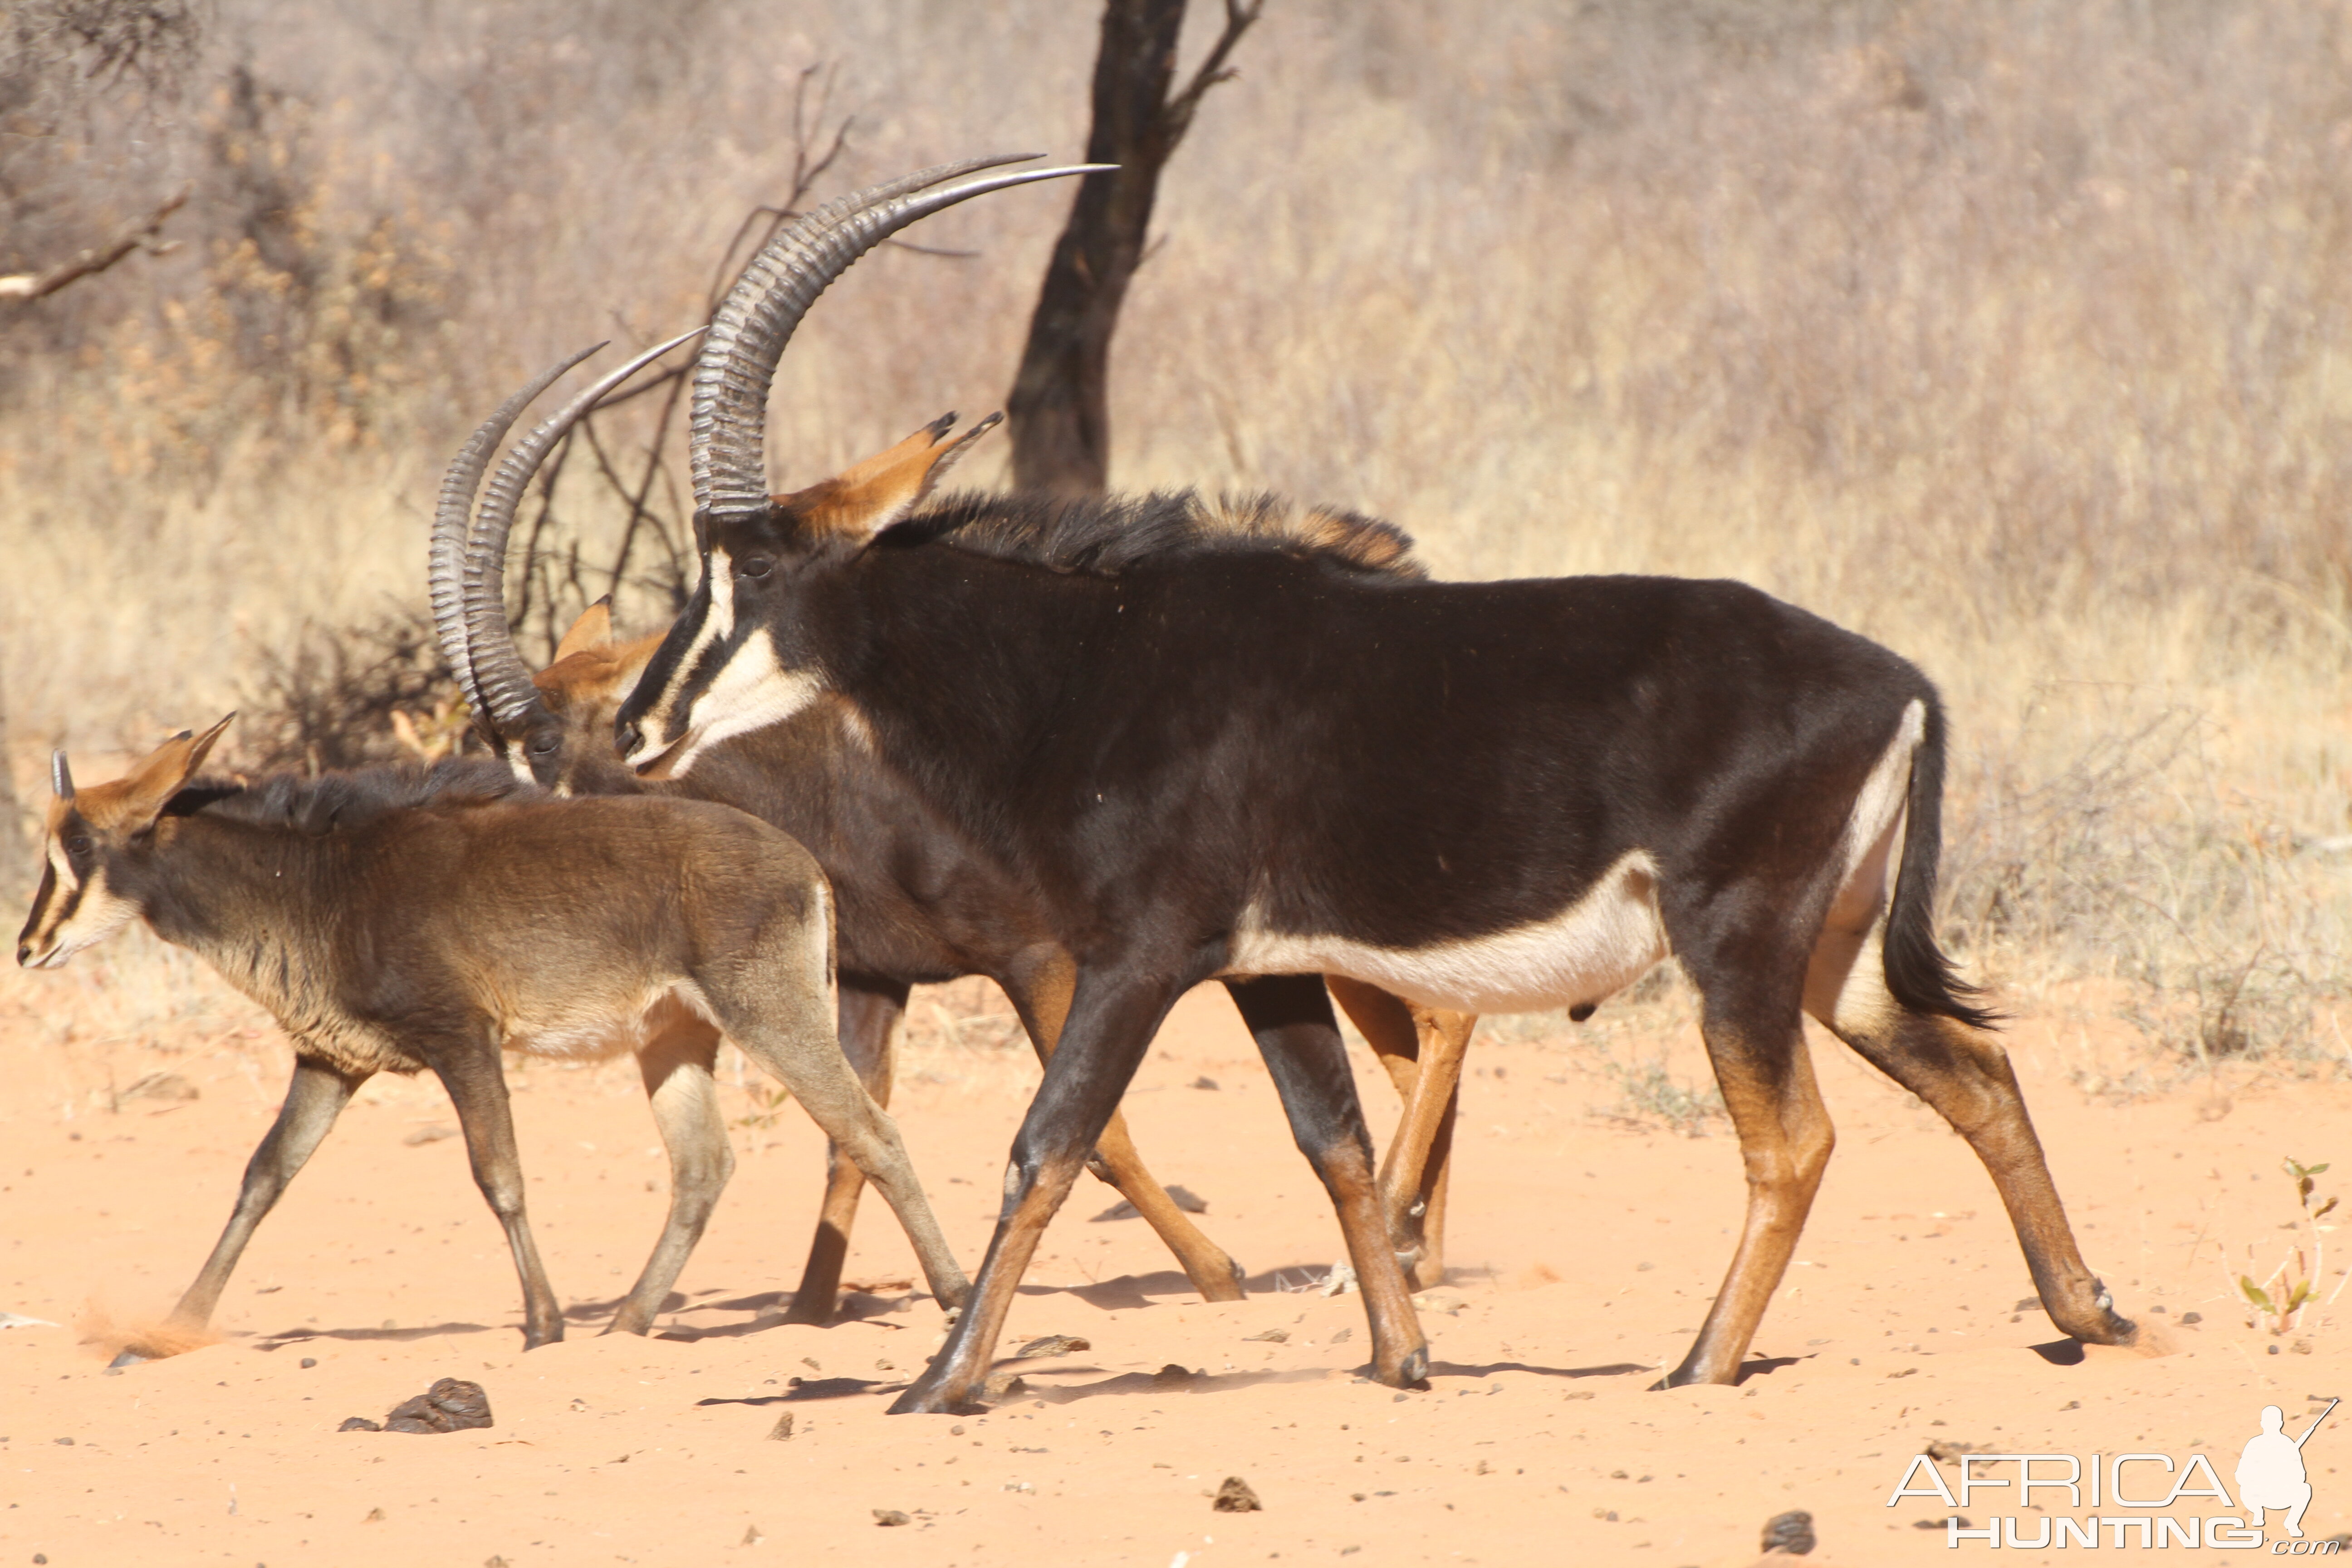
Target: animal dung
[783,1429]
[1235,1497]
[1182,1198]
[887,1517]
[1791,1533]
[451,1404]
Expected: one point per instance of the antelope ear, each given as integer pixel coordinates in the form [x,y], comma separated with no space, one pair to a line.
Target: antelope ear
[594,626]
[862,501]
[159,773]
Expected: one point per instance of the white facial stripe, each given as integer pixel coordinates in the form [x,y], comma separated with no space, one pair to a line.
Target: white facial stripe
[99,915]
[1596,947]
[751,691]
[717,624]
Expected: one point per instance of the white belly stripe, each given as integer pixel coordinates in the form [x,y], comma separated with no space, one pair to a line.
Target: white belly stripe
[1596,947]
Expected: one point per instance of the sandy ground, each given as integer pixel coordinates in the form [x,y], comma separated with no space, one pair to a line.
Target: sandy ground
[1584,1249]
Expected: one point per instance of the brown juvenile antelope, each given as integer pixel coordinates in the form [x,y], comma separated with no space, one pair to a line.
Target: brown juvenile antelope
[1262,767]
[406,919]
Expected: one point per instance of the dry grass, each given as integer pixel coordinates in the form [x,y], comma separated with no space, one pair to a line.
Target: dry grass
[2014,336]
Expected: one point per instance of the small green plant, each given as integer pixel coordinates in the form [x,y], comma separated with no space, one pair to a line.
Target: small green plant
[766,1106]
[2282,1295]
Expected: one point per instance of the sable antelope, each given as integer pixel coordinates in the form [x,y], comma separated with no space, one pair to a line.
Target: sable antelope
[1491,797]
[953,918]
[400,919]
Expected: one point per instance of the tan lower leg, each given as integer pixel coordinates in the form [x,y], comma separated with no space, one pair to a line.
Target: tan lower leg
[1785,1141]
[1213,1272]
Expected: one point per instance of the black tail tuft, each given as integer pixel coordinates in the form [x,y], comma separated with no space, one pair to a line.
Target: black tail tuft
[1917,973]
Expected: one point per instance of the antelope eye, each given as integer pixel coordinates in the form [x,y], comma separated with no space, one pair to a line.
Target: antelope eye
[78,845]
[755,566]
[544,745]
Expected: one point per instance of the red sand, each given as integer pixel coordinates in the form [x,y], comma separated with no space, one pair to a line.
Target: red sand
[1584,1253]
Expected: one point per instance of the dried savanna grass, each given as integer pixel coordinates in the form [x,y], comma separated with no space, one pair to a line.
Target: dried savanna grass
[2010,335]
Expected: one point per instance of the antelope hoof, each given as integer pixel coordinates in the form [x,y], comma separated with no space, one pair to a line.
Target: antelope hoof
[1684,1376]
[2097,1321]
[1411,1372]
[1226,1289]
[815,1315]
[534,1338]
[928,1396]
[127,1358]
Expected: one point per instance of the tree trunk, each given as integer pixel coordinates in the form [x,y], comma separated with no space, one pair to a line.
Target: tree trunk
[1059,408]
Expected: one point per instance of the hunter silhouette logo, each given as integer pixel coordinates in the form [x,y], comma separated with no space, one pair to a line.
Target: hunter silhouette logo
[2271,1473]
[2127,1491]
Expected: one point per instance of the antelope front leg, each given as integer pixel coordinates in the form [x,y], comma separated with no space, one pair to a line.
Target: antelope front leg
[870,1012]
[1291,1016]
[1112,1020]
[478,1089]
[677,1069]
[314,1097]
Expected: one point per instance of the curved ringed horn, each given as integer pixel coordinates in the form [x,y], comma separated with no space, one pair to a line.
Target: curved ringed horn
[507,696]
[452,528]
[726,443]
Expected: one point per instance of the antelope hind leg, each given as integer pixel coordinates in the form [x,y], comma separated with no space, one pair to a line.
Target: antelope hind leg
[1966,1077]
[315,1097]
[789,1034]
[1431,1115]
[677,1066]
[477,1087]
[1422,1049]
[870,1012]
[1785,1139]
[1291,1016]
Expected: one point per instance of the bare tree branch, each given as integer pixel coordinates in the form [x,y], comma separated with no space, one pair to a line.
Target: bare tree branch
[141,235]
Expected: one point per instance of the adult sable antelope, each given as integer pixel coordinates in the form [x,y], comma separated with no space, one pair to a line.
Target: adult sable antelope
[1490,797]
[405,919]
[916,905]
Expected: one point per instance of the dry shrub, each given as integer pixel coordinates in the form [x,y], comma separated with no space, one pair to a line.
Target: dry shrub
[337,698]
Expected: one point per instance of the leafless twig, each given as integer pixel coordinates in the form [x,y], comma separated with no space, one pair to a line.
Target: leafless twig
[141,235]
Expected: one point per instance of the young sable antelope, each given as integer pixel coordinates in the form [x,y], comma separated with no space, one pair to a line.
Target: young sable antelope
[407,919]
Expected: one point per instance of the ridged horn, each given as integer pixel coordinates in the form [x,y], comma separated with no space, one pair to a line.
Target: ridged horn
[453,528]
[60,776]
[728,435]
[509,700]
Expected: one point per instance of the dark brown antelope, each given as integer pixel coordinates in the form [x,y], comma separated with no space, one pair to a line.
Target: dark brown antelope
[405,919]
[1259,766]
[555,727]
